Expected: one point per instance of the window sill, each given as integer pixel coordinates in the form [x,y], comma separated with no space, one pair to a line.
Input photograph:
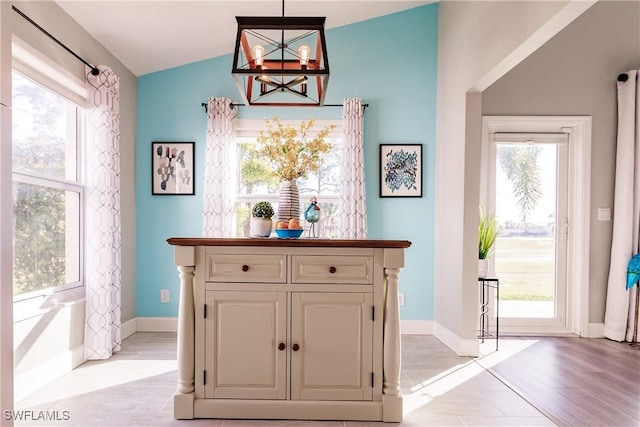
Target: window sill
[41,304]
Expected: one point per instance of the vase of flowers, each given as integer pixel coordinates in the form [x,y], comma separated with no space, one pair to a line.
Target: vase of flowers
[292,153]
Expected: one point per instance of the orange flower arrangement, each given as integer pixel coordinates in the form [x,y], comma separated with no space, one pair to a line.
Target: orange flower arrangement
[293,152]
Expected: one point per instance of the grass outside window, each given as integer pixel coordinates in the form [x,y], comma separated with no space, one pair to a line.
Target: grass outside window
[525,266]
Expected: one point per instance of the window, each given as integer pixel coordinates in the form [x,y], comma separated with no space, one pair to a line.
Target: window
[48,194]
[254,184]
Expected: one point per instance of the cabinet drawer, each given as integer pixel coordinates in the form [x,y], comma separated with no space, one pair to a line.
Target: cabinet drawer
[246,268]
[356,270]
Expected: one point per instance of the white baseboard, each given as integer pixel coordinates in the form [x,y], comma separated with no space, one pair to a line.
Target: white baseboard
[595,330]
[128,328]
[416,327]
[462,347]
[38,377]
[156,324]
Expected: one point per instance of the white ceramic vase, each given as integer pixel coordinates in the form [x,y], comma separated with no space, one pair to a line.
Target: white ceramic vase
[288,201]
[483,268]
[260,227]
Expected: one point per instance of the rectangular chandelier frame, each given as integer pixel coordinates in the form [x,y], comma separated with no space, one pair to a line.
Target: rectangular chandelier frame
[268,79]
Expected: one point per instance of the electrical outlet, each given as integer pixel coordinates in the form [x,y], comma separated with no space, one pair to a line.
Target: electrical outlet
[604,214]
[401,299]
[164,295]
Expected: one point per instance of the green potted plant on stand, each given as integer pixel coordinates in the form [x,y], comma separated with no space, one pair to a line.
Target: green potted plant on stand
[487,233]
[261,222]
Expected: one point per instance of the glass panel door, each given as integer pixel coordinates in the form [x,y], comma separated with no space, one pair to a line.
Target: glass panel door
[531,248]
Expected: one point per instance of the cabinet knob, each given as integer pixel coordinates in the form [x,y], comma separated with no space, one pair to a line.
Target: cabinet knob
[245,267]
[295,347]
[332,269]
[281,346]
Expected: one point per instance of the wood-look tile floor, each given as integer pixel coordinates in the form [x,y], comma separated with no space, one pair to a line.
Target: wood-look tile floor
[574,381]
[135,388]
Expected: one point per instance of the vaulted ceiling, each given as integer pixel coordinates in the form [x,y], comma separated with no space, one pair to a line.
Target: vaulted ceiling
[153,35]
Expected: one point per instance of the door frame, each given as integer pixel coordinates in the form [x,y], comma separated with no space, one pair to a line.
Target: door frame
[579,187]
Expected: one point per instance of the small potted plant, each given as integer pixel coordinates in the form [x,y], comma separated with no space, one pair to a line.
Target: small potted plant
[487,234]
[261,215]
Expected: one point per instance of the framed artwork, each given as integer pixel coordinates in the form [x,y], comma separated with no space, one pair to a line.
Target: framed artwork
[172,169]
[400,170]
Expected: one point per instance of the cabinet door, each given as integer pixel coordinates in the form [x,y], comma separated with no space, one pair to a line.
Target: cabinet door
[333,332]
[243,331]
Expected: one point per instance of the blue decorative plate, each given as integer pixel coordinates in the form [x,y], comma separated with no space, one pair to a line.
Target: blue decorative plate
[285,233]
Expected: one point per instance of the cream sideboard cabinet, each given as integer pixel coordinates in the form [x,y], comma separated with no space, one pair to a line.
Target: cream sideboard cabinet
[288,329]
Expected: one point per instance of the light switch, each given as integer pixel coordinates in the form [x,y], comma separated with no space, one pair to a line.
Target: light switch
[604,214]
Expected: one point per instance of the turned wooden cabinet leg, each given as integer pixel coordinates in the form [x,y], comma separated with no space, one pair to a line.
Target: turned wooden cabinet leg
[392,335]
[186,328]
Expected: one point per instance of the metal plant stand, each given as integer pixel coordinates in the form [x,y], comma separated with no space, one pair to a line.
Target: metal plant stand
[486,284]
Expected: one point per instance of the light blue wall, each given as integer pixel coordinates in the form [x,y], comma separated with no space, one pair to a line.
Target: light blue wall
[389,62]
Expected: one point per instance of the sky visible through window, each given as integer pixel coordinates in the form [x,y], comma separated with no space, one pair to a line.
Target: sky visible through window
[507,210]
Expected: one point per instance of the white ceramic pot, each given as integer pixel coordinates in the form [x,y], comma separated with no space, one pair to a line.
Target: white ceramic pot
[261,227]
[483,268]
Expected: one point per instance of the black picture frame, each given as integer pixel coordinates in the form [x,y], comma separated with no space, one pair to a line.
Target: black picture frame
[400,170]
[173,168]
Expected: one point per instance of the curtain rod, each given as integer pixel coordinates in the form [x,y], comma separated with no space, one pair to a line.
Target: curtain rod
[94,70]
[624,77]
[206,108]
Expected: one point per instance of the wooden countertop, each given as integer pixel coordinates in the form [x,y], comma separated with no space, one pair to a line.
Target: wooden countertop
[275,242]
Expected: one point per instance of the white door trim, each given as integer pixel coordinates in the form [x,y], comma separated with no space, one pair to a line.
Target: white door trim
[579,130]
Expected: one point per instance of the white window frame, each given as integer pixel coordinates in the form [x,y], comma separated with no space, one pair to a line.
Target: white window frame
[31,64]
[249,129]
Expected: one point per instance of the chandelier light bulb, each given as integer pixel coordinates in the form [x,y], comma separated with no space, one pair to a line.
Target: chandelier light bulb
[304,52]
[258,55]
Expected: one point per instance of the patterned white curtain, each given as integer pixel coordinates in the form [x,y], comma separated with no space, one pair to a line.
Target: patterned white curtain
[218,209]
[102,263]
[621,313]
[353,206]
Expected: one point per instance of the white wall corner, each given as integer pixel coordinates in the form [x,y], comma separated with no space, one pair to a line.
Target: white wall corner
[156,324]
[416,327]
[595,330]
[128,328]
[461,346]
